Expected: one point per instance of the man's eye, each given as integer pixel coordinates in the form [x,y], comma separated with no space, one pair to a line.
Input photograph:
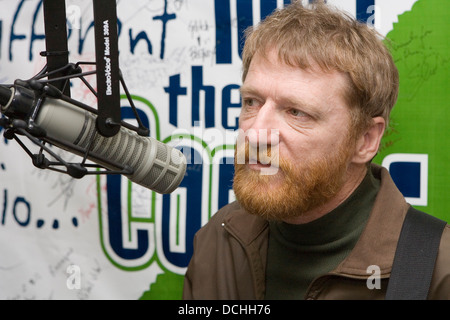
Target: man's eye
[296,113]
[249,102]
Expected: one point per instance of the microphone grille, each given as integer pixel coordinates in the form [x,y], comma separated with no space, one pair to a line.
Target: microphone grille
[167,170]
[162,153]
[156,165]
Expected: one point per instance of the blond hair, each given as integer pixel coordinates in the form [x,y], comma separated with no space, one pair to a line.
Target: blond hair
[331,39]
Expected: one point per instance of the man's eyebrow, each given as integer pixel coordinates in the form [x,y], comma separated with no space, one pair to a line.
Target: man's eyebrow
[247,90]
[297,103]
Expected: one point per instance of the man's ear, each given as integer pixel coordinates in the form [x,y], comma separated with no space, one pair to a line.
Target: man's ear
[367,145]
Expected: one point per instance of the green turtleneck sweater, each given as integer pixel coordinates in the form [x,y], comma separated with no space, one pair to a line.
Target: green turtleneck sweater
[298,254]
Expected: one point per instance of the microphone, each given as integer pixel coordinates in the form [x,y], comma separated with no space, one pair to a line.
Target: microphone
[153,164]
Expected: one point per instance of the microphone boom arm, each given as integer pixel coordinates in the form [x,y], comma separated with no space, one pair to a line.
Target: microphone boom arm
[53,81]
[106,54]
[57,53]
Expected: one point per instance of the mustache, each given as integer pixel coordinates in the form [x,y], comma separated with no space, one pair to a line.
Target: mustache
[245,154]
[248,154]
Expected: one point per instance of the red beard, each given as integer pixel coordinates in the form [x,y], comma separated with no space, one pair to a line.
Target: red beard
[294,189]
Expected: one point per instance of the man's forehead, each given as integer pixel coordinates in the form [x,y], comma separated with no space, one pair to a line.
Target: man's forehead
[298,79]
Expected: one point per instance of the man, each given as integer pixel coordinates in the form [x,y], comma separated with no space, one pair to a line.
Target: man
[313,216]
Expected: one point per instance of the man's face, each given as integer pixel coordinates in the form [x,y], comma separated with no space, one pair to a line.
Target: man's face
[302,118]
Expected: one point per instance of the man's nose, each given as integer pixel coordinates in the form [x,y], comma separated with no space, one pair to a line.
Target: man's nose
[264,131]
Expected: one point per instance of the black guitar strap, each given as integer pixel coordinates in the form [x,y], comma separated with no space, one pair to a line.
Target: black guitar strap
[415,256]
